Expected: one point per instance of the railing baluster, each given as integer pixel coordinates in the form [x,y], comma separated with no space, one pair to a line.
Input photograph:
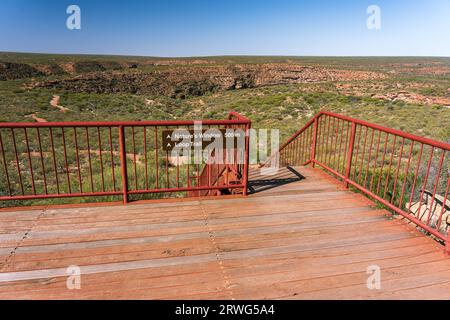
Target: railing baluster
[322,142]
[42,160]
[290,153]
[318,143]
[350,154]
[330,141]
[377,148]
[112,159]
[145,157]
[362,155]
[89,158]
[386,139]
[438,226]
[29,161]
[441,161]
[425,182]
[246,157]
[386,183]
[134,159]
[400,205]
[397,171]
[331,150]
[308,141]
[341,138]
[357,152]
[77,159]
[65,160]
[335,144]
[19,171]
[296,151]
[344,151]
[370,158]
[178,167]
[5,164]
[54,160]
[415,177]
[167,169]
[156,158]
[100,152]
[314,142]
[188,170]
[123,164]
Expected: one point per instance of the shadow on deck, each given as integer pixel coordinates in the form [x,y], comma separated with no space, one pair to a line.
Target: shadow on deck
[299,236]
[259,183]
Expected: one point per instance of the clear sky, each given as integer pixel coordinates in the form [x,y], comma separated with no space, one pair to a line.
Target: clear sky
[227,27]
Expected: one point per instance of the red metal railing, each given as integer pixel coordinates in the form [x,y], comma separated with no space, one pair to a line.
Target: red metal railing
[83,159]
[408,174]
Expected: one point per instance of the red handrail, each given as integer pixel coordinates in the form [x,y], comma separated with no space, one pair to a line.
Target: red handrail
[158,123]
[431,142]
[391,166]
[425,140]
[82,157]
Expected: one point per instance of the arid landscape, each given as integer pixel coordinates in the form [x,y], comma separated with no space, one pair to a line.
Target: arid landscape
[189,152]
[410,94]
[283,92]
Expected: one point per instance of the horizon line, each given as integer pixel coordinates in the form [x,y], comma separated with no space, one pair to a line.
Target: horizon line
[219,56]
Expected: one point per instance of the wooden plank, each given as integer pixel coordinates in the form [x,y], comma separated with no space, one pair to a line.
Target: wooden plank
[302,240]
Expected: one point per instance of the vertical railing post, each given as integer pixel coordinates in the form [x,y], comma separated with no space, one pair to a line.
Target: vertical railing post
[446,194]
[247,157]
[314,142]
[123,163]
[350,154]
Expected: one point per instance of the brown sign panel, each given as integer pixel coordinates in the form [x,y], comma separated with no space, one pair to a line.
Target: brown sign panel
[182,138]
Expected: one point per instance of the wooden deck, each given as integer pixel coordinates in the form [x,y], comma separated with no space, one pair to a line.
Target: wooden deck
[301,236]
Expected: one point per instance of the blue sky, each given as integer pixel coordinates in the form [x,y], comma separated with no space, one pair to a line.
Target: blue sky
[233,27]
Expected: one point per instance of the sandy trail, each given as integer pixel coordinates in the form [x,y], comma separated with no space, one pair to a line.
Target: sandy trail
[55,103]
[154,104]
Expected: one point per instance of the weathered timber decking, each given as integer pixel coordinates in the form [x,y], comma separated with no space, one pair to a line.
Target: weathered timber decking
[302,236]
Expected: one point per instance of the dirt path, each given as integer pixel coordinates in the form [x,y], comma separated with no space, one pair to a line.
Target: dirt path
[154,104]
[55,103]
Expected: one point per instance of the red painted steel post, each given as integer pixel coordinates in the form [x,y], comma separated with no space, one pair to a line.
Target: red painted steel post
[350,154]
[123,164]
[447,241]
[314,143]
[247,157]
